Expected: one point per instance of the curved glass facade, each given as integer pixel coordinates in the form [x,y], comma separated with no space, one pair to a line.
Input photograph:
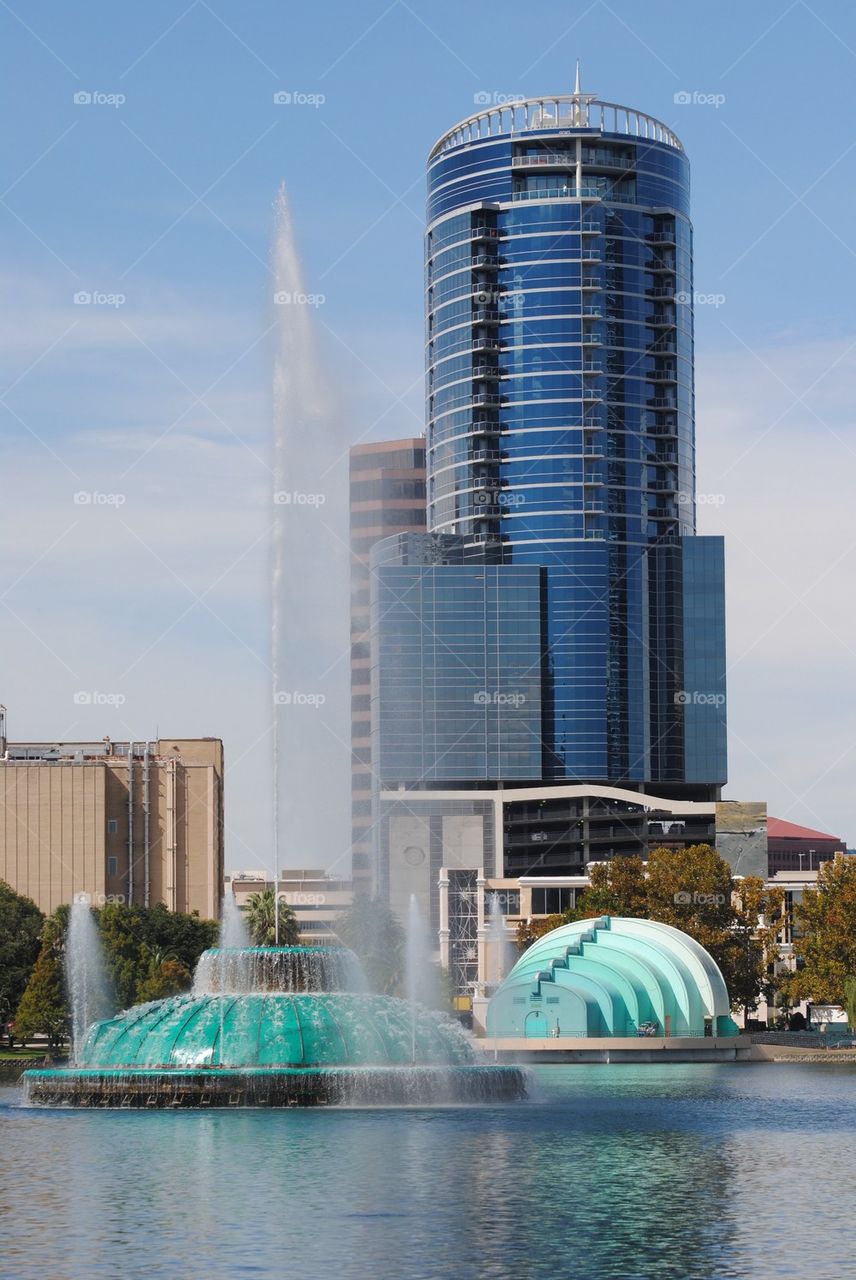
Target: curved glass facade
[560,416]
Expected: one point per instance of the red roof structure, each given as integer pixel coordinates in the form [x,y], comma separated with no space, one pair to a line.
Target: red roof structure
[778,829]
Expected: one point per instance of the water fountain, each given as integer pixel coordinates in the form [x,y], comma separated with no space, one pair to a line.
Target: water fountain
[89,987]
[275,1026]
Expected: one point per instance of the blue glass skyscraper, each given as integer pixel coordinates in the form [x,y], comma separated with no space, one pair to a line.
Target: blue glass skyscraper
[560,438]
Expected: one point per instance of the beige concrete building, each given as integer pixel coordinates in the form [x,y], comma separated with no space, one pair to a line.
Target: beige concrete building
[387,496]
[139,823]
[316,898]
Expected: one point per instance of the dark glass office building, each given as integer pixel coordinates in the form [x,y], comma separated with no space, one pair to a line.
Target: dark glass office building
[560,471]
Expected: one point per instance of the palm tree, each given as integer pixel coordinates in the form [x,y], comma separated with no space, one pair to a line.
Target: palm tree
[261,924]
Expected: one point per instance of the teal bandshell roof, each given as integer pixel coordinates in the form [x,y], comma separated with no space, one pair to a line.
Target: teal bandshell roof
[612,976]
[281,1029]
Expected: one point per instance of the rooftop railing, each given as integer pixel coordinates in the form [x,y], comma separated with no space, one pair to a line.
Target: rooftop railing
[566,111]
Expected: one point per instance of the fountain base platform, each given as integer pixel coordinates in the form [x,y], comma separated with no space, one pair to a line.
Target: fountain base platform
[177,1087]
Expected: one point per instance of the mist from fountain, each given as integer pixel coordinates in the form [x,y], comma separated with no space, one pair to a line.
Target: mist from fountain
[310,645]
[499,949]
[420,974]
[90,990]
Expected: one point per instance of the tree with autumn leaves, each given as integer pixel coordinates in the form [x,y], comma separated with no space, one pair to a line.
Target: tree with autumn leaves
[825,936]
[736,921]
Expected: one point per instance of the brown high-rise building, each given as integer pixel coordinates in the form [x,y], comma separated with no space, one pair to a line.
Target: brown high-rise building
[138,823]
[387,497]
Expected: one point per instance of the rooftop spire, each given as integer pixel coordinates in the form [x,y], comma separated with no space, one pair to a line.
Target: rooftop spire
[577,88]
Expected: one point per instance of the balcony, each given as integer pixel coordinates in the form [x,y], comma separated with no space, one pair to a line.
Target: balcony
[482,232]
[485,398]
[592,450]
[659,265]
[486,373]
[590,282]
[606,160]
[660,291]
[486,427]
[660,402]
[661,237]
[485,315]
[485,457]
[592,478]
[592,396]
[590,229]
[591,367]
[593,311]
[592,422]
[595,535]
[662,513]
[546,160]
[590,255]
[483,343]
[563,193]
[591,340]
[487,261]
[662,375]
[660,320]
[594,508]
[662,486]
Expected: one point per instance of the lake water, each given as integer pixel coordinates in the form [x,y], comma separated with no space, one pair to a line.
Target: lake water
[610,1173]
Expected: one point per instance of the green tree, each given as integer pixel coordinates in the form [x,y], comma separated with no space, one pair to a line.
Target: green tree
[747,958]
[167,977]
[529,931]
[618,888]
[43,1009]
[373,932]
[261,921]
[138,939]
[825,934]
[21,924]
[850,1000]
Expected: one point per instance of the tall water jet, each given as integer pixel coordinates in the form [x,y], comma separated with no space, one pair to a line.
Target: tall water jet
[89,988]
[498,946]
[421,981]
[310,645]
[233,928]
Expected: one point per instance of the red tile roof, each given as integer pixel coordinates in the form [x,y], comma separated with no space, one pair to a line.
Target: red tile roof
[778,829]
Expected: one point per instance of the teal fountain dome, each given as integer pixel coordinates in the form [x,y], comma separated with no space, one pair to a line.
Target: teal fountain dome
[275,1026]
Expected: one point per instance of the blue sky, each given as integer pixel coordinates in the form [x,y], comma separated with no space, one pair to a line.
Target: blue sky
[160,191]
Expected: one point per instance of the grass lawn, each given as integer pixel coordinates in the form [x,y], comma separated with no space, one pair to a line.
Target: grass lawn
[12,1055]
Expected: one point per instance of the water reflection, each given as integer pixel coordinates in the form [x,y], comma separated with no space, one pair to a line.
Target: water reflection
[684,1172]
